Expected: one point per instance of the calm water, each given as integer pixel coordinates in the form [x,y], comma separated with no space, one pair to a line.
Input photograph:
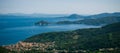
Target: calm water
[17,29]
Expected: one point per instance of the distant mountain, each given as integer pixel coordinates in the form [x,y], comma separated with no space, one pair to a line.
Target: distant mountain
[74,16]
[49,15]
[96,21]
[34,15]
[91,39]
[104,15]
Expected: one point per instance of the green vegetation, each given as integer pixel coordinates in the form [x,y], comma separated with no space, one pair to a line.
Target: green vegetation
[4,50]
[90,40]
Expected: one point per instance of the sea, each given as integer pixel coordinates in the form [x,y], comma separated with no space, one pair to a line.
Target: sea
[15,29]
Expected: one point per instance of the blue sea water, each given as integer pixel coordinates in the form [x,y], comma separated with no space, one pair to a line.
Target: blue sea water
[17,29]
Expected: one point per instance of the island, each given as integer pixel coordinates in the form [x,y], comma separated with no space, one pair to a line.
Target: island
[42,23]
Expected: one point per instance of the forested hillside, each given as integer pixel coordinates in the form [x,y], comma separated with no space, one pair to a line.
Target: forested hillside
[82,39]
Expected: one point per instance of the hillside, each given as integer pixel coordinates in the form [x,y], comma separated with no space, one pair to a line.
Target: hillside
[104,15]
[4,50]
[75,16]
[82,39]
[97,21]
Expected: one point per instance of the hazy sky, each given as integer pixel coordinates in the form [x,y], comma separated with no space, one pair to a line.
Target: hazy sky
[59,6]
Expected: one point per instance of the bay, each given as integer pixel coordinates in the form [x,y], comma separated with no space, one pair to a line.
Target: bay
[18,29]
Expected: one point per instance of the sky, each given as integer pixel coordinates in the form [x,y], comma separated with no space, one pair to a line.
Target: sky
[59,6]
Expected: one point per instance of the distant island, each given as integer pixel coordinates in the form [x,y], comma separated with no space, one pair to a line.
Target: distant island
[42,23]
[98,19]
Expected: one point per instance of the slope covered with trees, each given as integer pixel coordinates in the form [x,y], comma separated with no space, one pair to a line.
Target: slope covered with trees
[4,50]
[82,39]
